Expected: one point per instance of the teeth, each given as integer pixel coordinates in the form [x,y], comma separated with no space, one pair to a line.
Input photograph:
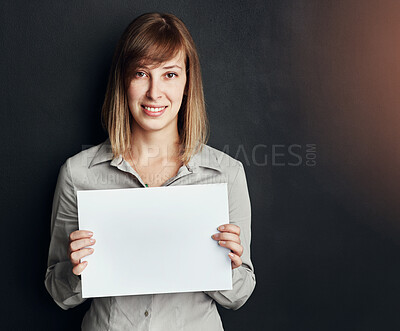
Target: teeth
[154,109]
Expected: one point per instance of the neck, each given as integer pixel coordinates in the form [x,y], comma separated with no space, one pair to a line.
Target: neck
[154,146]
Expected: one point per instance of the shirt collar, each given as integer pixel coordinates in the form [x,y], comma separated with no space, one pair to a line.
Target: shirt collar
[103,154]
[205,158]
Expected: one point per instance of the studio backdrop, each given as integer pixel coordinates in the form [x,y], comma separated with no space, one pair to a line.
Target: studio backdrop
[304,93]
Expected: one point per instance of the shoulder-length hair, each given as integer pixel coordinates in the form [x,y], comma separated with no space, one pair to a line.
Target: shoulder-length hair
[155,38]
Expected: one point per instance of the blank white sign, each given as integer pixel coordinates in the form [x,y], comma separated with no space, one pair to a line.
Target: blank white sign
[155,240]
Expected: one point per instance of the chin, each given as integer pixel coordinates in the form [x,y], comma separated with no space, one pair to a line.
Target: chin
[153,127]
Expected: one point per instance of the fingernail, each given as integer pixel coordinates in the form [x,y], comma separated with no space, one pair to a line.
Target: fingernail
[215,236]
[230,254]
[92,241]
[221,242]
[221,227]
[90,233]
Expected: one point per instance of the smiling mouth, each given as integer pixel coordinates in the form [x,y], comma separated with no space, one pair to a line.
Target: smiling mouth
[154,109]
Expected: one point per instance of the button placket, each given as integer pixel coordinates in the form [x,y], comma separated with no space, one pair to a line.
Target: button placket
[124,166]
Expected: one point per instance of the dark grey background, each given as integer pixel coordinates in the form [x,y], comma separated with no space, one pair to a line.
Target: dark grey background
[278,75]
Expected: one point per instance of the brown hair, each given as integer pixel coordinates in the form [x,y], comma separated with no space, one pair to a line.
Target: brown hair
[155,38]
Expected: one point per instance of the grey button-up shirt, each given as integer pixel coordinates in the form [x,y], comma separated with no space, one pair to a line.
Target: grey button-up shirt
[96,168]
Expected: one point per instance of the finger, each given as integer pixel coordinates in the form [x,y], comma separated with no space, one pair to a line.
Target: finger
[226,236]
[80,234]
[236,260]
[234,247]
[78,255]
[232,228]
[77,270]
[80,243]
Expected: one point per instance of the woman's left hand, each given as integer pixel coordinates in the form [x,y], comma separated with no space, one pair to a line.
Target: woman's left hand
[229,238]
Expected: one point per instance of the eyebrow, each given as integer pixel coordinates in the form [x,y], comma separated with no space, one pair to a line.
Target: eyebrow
[173,66]
[168,67]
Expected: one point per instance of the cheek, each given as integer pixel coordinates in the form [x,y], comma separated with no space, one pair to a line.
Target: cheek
[133,93]
[179,91]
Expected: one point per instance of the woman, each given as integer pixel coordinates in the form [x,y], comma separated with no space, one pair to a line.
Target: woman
[155,116]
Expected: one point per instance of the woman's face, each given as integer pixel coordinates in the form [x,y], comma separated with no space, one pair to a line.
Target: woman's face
[155,94]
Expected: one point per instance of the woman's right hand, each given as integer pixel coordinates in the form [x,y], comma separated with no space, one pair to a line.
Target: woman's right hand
[78,242]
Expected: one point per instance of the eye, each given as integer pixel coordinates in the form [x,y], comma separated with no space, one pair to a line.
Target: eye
[172,75]
[140,74]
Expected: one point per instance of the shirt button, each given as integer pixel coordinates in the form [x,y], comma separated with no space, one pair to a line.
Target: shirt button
[146,313]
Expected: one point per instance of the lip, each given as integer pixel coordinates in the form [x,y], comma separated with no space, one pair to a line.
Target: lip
[153,114]
[153,106]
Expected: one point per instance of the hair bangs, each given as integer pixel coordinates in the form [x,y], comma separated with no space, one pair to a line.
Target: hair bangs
[162,45]
[155,45]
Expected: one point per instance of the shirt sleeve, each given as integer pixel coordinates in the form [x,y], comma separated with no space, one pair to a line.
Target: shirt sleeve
[62,284]
[243,278]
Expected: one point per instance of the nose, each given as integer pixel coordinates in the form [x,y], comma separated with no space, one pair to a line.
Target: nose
[154,89]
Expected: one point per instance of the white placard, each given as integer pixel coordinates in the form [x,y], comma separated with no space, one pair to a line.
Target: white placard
[155,240]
